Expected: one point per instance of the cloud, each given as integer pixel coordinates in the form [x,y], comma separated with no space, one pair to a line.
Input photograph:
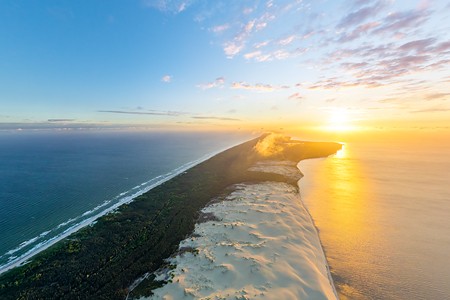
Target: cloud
[280,54]
[348,36]
[357,17]
[170,114]
[149,112]
[334,83]
[256,87]
[252,54]
[418,46]
[220,28]
[397,21]
[166,78]
[169,6]
[441,47]
[234,47]
[261,44]
[296,96]
[219,82]
[428,110]
[435,96]
[60,120]
[214,118]
[287,41]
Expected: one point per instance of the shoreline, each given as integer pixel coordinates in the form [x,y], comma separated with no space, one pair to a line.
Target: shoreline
[42,246]
[103,260]
[327,265]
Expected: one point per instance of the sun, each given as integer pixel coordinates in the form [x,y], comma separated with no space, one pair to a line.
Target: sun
[339,120]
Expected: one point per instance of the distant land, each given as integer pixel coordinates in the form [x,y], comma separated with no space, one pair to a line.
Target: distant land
[105,260]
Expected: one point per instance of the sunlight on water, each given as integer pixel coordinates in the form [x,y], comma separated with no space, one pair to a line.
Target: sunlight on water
[383,218]
[347,208]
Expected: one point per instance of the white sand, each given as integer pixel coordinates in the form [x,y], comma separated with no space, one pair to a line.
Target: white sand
[265,246]
[286,168]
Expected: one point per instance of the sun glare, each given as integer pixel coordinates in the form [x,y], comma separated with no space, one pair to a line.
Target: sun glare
[339,121]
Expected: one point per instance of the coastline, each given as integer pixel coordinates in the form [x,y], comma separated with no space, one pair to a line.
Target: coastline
[327,265]
[104,259]
[22,260]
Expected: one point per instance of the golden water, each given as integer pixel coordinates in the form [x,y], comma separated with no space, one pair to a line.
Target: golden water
[383,214]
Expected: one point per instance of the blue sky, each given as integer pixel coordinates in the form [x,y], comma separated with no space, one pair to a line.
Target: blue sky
[225,64]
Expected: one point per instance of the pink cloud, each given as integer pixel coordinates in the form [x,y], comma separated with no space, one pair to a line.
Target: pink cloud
[219,82]
[395,22]
[361,15]
[252,54]
[418,46]
[296,96]
[287,41]
[256,87]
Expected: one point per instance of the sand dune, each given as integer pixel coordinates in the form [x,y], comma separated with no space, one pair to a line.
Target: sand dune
[261,245]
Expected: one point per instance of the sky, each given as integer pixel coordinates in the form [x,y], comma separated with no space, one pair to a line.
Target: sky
[332,65]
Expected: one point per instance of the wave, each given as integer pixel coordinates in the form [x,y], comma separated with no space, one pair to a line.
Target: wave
[33,246]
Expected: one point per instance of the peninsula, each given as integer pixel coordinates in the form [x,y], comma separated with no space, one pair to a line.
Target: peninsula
[156,245]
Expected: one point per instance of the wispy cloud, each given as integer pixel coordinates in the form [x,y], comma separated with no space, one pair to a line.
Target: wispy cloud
[397,21]
[353,34]
[369,43]
[219,82]
[436,96]
[430,110]
[220,28]
[287,41]
[362,14]
[233,47]
[170,114]
[214,118]
[418,46]
[260,87]
[170,6]
[60,120]
[296,96]
[151,112]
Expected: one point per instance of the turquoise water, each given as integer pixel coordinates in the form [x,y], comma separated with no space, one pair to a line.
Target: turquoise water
[50,181]
[383,214]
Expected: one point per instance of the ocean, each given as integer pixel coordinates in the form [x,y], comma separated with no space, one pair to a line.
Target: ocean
[52,182]
[383,215]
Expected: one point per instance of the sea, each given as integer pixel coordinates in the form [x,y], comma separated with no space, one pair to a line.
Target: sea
[383,215]
[54,182]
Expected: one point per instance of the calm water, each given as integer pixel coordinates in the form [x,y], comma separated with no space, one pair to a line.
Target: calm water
[52,181]
[383,213]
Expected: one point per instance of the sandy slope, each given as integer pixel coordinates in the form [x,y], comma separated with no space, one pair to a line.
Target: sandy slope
[263,245]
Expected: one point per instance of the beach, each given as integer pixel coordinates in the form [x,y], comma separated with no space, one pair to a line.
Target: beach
[260,244]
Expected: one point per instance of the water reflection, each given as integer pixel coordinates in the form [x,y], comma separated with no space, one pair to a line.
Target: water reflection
[342,219]
[341,153]
[383,217]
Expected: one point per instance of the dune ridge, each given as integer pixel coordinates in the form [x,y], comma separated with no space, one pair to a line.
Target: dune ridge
[260,244]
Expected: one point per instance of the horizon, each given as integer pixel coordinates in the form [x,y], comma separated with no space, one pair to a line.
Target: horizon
[346,68]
